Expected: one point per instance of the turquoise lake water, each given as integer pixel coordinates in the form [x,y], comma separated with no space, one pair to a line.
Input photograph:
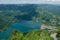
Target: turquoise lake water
[22,26]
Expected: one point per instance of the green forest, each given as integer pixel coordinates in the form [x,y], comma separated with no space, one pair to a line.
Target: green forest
[33,35]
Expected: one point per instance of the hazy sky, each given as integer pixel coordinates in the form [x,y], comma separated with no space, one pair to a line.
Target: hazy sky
[29,1]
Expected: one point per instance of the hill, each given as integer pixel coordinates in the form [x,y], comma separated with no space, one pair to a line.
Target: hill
[43,13]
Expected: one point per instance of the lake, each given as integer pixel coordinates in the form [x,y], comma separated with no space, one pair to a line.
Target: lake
[22,26]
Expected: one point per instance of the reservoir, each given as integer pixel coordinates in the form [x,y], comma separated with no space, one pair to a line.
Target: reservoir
[22,26]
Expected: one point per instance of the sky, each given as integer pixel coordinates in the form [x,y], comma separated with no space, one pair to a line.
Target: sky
[29,1]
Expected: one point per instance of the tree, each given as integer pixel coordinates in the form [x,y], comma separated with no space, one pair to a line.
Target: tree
[16,35]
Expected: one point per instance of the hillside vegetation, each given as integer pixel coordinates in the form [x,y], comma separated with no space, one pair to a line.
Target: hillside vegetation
[44,13]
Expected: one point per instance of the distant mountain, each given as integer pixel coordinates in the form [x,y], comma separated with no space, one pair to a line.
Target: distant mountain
[28,7]
[16,7]
[51,8]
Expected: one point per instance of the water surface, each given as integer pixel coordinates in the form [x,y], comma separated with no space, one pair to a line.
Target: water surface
[22,26]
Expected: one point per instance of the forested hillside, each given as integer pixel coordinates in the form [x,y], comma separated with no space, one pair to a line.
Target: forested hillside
[32,35]
[44,13]
[41,13]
